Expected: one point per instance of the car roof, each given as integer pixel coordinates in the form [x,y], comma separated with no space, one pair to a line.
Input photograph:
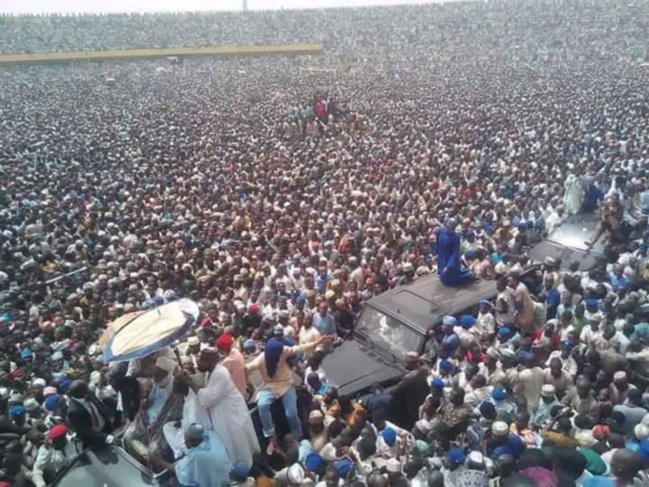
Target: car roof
[426,301]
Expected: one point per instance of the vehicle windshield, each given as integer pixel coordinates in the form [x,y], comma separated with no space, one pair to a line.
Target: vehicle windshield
[388,332]
[104,468]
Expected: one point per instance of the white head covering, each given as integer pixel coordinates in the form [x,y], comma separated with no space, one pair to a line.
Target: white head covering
[165,364]
[296,474]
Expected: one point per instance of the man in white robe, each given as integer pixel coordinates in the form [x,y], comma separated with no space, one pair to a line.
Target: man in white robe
[573,196]
[226,408]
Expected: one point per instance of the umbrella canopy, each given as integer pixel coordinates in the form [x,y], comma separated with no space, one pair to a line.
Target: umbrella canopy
[142,333]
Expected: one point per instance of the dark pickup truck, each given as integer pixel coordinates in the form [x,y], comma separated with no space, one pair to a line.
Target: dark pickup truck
[395,322]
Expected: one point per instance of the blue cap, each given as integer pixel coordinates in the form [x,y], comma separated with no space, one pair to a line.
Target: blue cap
[389,436]
[505,332]
[495,258]
[485,302]
[300,299]
[65,384]
[498,394]
[437,383]
[591,302]
[456,456]
[249,343]
[446,366]
[51,402]
[343,467]
[522,355]
[451,342]
[240,470]
[469,254]
[17,411]
[567,344]
[643,448]
[449,321]
[314,463]
[25,353]
[467,321]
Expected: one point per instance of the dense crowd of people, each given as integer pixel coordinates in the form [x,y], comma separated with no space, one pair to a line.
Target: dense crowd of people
[440,139]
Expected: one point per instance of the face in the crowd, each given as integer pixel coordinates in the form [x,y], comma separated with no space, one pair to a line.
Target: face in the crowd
[206,362]
[159,374]
[457,397]
[555,368]
[583,388]
[621,384]
[522,420]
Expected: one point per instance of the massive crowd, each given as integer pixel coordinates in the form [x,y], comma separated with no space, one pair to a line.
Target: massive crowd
[280,199]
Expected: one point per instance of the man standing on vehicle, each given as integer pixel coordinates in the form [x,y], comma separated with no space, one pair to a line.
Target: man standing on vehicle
[88,416]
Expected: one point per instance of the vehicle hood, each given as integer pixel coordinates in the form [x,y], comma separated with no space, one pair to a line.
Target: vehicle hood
[353,368]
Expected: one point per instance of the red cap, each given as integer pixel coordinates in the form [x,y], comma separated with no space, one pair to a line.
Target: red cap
[57,431]
[254,308]
[225,341]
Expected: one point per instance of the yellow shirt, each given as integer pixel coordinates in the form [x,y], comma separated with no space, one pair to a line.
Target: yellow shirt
[283,378]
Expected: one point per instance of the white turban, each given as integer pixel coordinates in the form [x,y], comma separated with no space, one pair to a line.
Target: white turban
[165,364]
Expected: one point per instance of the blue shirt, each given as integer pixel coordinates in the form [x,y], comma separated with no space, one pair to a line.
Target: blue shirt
[451,342]
[326,324]
[619,282]
[321,283]
[205,464]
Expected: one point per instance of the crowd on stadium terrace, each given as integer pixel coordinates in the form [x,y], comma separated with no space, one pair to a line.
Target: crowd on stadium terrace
[281,199]
[465,29]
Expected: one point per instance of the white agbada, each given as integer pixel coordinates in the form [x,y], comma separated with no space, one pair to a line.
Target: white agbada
[229,416]
[573,195]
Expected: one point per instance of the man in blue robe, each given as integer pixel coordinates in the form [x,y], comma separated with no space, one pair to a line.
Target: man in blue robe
[449,267]
[205,462]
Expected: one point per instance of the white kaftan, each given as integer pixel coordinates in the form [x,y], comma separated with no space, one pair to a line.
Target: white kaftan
[573,196]
[229,416]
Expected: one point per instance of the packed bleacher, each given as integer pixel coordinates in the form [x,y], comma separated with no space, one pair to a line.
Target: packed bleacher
[594,29]
[436,141]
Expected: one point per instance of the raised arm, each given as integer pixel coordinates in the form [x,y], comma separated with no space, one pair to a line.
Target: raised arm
[306,347]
